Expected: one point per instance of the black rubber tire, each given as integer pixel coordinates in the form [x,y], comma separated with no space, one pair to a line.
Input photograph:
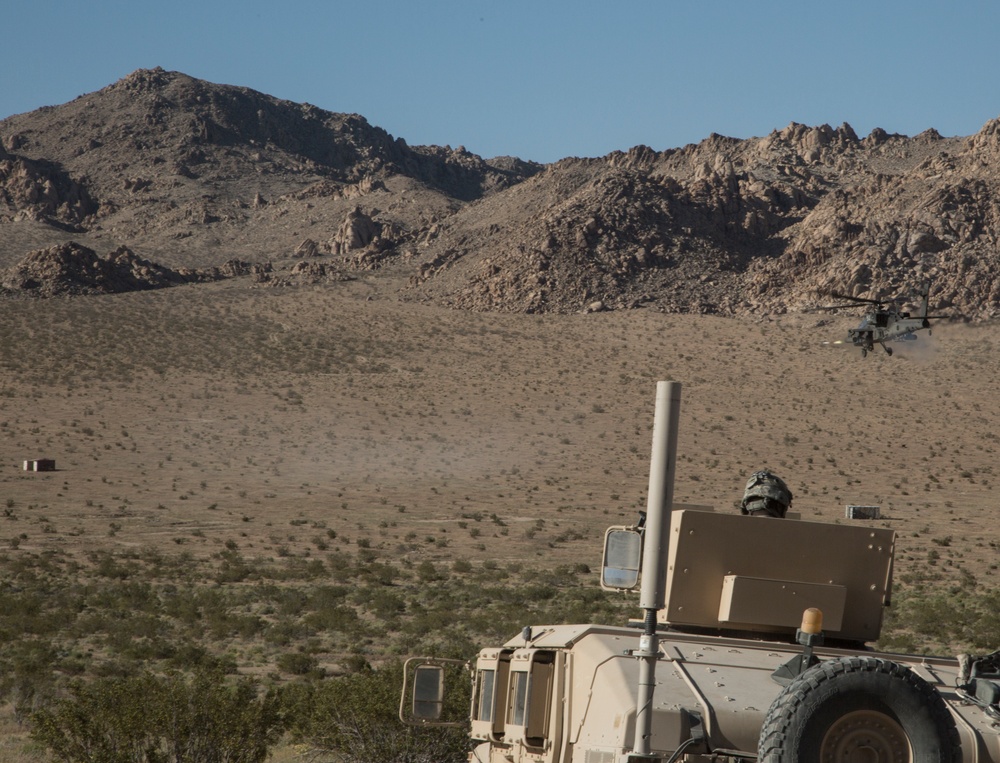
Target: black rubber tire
[894,706]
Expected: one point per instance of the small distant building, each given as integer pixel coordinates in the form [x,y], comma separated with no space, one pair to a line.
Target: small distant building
[40,465]
[863,512]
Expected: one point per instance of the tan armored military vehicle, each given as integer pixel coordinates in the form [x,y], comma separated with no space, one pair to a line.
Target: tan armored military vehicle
[752,646]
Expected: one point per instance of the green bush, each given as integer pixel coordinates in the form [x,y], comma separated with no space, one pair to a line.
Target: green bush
[296,663]
[153,719]
[26,677]
[354,718]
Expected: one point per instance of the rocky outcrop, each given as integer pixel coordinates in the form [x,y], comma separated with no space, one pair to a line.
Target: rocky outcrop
[73,269]
[356,232]
[194,174]
[41,191]
[736,227]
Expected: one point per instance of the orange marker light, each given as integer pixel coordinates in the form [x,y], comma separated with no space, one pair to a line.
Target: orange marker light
[812,621]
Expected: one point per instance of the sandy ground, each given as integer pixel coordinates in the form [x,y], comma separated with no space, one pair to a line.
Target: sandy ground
[186,418]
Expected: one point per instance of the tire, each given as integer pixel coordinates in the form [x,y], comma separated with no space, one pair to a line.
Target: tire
[859,709]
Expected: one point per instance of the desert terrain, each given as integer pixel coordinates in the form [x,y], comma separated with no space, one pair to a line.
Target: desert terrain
[318,399]
[189,417]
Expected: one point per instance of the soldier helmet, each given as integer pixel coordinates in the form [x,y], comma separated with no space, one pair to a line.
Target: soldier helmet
[766,494]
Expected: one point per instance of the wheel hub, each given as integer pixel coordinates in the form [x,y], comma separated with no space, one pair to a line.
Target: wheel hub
[865,736]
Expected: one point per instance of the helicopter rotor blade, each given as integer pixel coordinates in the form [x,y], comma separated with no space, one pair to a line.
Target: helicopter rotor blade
[860,300]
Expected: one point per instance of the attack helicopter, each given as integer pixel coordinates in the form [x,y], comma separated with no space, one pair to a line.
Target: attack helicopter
[885,321]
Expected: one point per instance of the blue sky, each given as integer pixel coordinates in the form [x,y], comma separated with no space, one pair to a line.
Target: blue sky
[535,79]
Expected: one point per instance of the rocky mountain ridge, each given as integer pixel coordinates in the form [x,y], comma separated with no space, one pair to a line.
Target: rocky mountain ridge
[192,175]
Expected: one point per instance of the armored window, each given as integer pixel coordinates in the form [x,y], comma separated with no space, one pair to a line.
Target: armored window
[518,698]
[485,694]
[530,699]
[491,695]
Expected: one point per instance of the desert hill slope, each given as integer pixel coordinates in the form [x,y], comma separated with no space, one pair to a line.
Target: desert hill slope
[737,227]
[184,172]
[190,174]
